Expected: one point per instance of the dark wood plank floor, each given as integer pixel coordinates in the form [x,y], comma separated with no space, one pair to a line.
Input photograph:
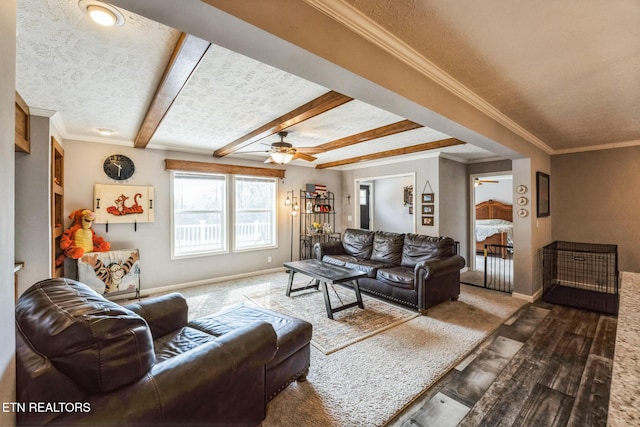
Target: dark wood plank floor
[546,366]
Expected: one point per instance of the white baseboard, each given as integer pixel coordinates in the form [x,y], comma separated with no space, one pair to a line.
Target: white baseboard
[528,298]
[178,286]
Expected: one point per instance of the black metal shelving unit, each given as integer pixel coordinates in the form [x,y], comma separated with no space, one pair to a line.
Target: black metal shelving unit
[318,209]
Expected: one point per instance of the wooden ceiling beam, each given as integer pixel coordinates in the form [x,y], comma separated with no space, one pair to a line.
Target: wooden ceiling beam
[184,61]
[391,129]
[192,166]
[311,109]
[449,142]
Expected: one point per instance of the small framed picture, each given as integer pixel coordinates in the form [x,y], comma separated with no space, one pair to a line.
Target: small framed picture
[427,210]
[428,198]
[427,220]
[542,194]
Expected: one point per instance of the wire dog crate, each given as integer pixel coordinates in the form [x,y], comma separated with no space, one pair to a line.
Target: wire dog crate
[581,275]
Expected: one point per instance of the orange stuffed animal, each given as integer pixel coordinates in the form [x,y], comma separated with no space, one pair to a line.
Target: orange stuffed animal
[80,237]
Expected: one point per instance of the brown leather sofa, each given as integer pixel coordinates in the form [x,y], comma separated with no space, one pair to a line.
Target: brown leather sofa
[85,360]
[412,269]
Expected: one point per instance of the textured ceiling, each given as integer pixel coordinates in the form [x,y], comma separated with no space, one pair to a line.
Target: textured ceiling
[91,76]
[564,72]
[105,78]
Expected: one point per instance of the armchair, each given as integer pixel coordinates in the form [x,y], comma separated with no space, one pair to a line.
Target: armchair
[98,363]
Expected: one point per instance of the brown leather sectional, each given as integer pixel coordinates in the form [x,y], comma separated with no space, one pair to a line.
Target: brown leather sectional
[415,270]
[85,360]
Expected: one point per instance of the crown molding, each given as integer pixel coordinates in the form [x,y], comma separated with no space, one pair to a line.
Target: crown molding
[359,23]
[610,146]
[42,112]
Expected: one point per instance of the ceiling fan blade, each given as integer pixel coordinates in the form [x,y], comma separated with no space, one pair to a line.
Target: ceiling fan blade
[308,150]
[303,156]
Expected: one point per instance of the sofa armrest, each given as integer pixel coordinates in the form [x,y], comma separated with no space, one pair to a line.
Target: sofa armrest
[218,383]
[437,280]
[163,314]
[333,247]
[438,267]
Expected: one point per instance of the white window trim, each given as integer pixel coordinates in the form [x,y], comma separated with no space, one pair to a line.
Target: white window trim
[235,212]
[229,218]
[225,225]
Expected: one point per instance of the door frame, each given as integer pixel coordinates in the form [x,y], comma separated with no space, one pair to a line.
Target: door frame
[371,182]
[472,214]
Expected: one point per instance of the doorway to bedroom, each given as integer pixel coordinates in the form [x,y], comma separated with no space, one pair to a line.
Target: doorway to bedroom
[491,239]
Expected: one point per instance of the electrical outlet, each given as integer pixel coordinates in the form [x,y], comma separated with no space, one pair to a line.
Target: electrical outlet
[269,259]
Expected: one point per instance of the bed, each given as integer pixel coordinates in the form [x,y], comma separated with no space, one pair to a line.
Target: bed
[494,225]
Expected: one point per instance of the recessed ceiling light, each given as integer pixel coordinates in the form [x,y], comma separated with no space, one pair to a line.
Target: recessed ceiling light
[102,13]
[105,131]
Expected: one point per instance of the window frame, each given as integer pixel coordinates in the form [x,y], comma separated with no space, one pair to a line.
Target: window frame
[229,214]
[273,210]
[224,211]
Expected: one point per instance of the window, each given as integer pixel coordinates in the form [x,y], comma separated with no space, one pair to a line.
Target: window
[363,197]
[255,213]
[199,214]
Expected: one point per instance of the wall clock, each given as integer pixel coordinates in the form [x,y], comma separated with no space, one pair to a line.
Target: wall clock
[119,167]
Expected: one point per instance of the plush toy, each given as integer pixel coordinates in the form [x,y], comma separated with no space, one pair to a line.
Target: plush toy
[80,237]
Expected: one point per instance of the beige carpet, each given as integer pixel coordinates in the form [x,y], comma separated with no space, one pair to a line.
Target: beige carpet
[347,327]
[368,382]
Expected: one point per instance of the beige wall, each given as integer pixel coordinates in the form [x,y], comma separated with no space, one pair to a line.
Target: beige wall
[594,199]
[424,169]
[453,204]
[83,169]
[7,123]
[33,193]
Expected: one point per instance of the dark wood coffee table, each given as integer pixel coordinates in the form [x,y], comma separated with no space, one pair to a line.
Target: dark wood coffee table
[326,274]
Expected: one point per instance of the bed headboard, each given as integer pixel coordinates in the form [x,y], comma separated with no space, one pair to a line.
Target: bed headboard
[494,210]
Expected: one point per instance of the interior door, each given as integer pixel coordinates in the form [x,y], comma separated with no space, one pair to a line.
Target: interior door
[364,206]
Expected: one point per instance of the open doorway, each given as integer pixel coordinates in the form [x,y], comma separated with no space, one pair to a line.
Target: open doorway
[382,206]
[491,224]
[365,206]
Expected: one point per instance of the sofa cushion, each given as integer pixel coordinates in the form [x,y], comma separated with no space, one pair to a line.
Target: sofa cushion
[99,344]
[387,247]
[180,341]
[418,248]
[293,333]
[367,266]
[358,243]
[401,277]
[340,260]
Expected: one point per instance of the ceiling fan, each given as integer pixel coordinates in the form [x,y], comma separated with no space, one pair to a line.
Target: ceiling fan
[282,152]
[478,181]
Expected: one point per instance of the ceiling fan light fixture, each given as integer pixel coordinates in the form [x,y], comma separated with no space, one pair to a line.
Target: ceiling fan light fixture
[102,13]
[282,158]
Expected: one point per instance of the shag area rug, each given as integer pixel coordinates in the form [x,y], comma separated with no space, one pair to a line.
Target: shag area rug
[368,382]
[347,327]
